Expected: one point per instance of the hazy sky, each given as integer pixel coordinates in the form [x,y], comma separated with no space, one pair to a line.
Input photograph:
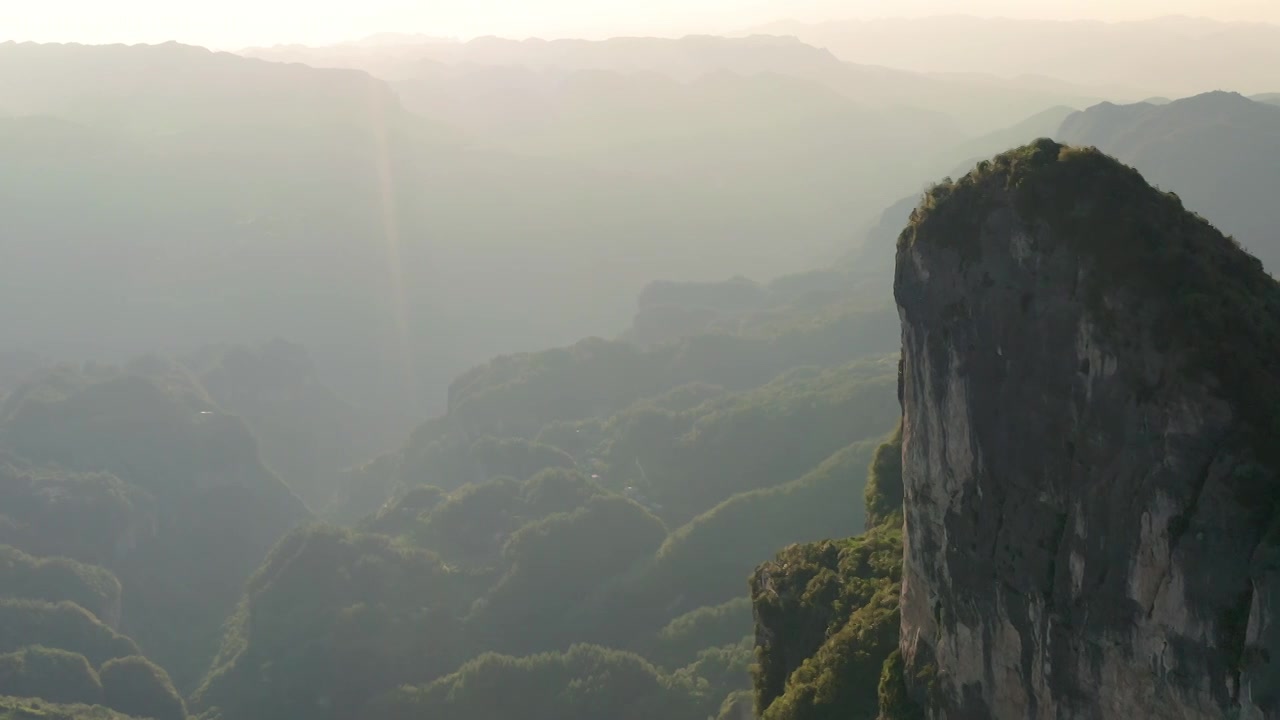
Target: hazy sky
[231,24]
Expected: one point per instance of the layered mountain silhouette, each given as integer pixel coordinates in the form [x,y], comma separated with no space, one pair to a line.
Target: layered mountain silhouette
[1220,152]
[1173,56]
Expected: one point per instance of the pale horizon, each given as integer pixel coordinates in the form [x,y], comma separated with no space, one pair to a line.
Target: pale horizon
[237,24]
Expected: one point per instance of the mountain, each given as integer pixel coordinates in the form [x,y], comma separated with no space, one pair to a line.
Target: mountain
[56,579]
[489,73]
[1075,515]
[1042,124]
[136,470]
[683,59]
[181,89]
[872,261]
[1083,482]
[875,258]
[1220,152]
[1141,332]
[267,173]
[54,711]
[405,230]
[519,415]
[225,200]
[306,433]
[796,146]
[580,515]
[1174,56]
[623,685]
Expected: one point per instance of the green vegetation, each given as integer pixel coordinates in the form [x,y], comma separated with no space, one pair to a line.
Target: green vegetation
[54,675]
[84,516]
[719,672]
[63,626]
[331,619]
[34,709]
[895,700]
[738,706]
[451,462]
[306,433]
[553,491]
[598,496]
[883,495]
[132,685]
[154,428]
[709,557]
[584,683]
[573,532]
[604,495]
[560,558]
[707,627]
[157,475]
[399,515]
[58,579]
[572,553]
[550,394]
[470,526]
[692,461]
[515,457]
[834,603]
[136,686]
[827,615]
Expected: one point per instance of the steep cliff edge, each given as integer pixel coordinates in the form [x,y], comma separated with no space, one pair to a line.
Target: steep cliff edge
[1091,396]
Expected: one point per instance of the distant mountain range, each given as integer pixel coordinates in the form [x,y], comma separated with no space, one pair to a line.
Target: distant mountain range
[1174,56]
[166,197]
[1220,152]
[482,197]
[976,102]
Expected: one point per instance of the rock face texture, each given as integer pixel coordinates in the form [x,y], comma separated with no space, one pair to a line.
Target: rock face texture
[1089,450]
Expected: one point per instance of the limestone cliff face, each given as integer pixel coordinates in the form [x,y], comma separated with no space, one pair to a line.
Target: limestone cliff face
[1088,451]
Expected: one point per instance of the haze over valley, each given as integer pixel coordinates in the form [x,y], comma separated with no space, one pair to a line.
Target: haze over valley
[779,362]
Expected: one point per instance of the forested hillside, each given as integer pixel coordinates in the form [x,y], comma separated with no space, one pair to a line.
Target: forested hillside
[136,471]
[587,514]
[577,531]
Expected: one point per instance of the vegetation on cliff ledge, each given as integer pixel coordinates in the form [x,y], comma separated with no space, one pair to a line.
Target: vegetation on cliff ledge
[827,613]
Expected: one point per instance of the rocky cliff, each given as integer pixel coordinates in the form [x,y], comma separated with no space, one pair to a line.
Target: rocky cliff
[1091,390]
